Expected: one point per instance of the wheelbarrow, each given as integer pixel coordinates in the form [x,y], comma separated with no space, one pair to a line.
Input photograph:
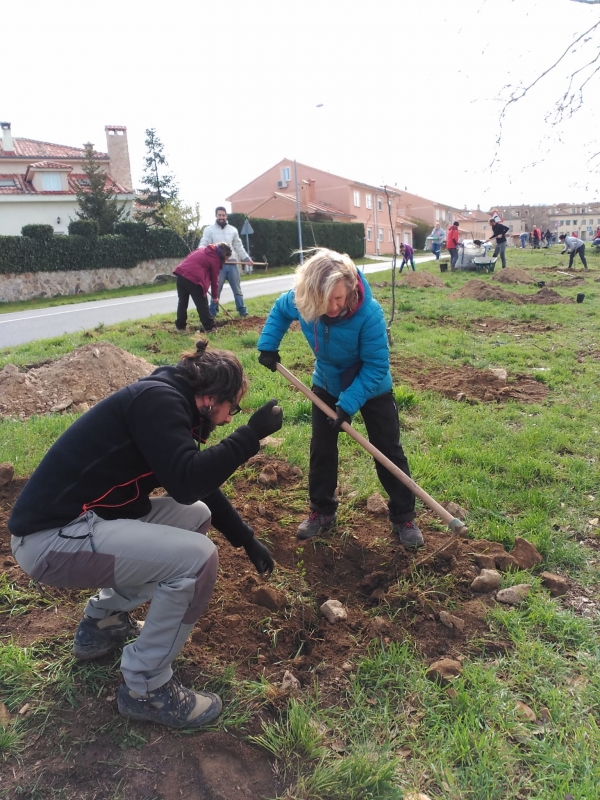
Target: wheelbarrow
[485,264]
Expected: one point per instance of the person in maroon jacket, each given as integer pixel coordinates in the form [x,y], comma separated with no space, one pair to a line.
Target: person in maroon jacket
[452,244]
[196,273]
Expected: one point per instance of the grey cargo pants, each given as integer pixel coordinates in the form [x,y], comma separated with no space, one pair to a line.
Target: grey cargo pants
[162,556]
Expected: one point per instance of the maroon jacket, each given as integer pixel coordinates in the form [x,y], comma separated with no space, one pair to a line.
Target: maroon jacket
[202,267]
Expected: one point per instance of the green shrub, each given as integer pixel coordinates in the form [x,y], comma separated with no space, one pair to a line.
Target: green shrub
[88,228]
[276,239]
[133,243]
[420,233]
[42,233]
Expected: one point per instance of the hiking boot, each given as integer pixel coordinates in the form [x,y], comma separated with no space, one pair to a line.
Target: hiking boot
[408,534]
[314,524]
[171,704]
[97,637]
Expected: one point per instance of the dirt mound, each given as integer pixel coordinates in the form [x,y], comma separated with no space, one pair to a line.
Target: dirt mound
[514,275]
[421,280]
[546,297]
[466,383]
[74,382]
[481,290]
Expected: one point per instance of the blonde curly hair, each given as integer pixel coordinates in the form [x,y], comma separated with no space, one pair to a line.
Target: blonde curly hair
[316,278]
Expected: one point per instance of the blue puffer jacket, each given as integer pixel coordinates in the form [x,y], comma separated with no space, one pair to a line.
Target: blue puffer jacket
[352,354]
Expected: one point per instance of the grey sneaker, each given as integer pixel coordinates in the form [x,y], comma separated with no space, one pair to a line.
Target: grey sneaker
[314,524]
[97,637]
[171,704]
[408,534]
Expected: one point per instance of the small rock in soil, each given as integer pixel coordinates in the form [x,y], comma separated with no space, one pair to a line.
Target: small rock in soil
[334,611]
[233,620]
[290,684]
[452,622]
[525,554]
[268,477]
[501,374]
[378,626]
[7,473]
[487,581]
[555,583]
[505,562]
[269,597]
[456,510]
[444,671]
[514,595]
[270,440]
[376,504]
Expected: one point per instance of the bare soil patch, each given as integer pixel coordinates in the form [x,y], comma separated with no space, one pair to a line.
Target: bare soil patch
[74,382]
[514,275]
[480,290]
[421,280]
[466,383]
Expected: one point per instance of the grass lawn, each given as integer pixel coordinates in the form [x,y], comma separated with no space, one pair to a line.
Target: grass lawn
[522,720]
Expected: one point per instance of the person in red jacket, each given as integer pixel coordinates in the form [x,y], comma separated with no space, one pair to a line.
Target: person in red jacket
[196,273]
[452,244]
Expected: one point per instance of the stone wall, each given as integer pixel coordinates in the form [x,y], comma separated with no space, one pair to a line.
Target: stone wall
[68,282]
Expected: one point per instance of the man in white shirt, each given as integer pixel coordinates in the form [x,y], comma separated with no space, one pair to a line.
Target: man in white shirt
[222,231]
[573,245]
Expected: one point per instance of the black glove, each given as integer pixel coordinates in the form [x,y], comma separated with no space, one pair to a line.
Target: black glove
[342,416]
[264,422]
[259,555]
[269,359]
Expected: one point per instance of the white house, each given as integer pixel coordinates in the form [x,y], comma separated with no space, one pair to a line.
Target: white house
[38,180]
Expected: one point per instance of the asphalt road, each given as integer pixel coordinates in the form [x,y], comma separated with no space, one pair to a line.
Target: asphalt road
[45,323]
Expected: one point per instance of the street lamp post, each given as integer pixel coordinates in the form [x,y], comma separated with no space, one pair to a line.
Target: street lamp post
[298,214]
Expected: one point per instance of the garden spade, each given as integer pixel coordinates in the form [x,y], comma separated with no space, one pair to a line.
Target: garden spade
[455,525]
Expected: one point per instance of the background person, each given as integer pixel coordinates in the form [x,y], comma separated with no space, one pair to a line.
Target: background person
[452,244]
[408,256]
[548,237]
[345,328]
[524,237]
[536,236]
[222,231]
[499,232]
[438,236]
[573,246]
[196,273]
[85,519]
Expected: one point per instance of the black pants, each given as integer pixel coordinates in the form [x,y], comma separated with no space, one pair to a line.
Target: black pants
[581,251]
[380,415]
[185,290]
[453,256]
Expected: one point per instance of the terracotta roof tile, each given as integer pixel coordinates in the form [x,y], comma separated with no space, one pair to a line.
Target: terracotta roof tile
[50,165]
[31,148]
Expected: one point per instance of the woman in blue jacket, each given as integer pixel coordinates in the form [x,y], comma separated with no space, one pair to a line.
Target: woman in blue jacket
[345,327]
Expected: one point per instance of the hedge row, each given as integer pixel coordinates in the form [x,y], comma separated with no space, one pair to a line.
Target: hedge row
[276,240]
[133,242]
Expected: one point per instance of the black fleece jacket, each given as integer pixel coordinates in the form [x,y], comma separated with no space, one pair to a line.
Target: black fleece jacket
[142,437]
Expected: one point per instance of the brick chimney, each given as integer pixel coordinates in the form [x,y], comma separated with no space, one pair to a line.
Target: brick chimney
[7,140]
[118,154]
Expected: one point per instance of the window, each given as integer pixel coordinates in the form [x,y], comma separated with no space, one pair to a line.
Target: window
[84,181]
[7,182]
[444,214]
[369,201]
[285,174]
[369,234]
[379,204]
[437,215]
[357,199]
[381,234]
[568,223]
[51,181]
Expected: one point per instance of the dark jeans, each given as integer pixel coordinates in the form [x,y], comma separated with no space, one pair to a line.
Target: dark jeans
[185,290]
[380,415]
[435,249]
[453,256]
[405,261]
[501,248]
[581,251]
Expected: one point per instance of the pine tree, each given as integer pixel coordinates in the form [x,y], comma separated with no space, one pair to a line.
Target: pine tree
[97,200]
[160,187]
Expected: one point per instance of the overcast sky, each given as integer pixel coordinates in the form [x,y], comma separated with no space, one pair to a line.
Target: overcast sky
[410,90]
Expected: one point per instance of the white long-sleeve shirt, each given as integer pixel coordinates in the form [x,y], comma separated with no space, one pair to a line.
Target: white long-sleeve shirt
[213,234]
